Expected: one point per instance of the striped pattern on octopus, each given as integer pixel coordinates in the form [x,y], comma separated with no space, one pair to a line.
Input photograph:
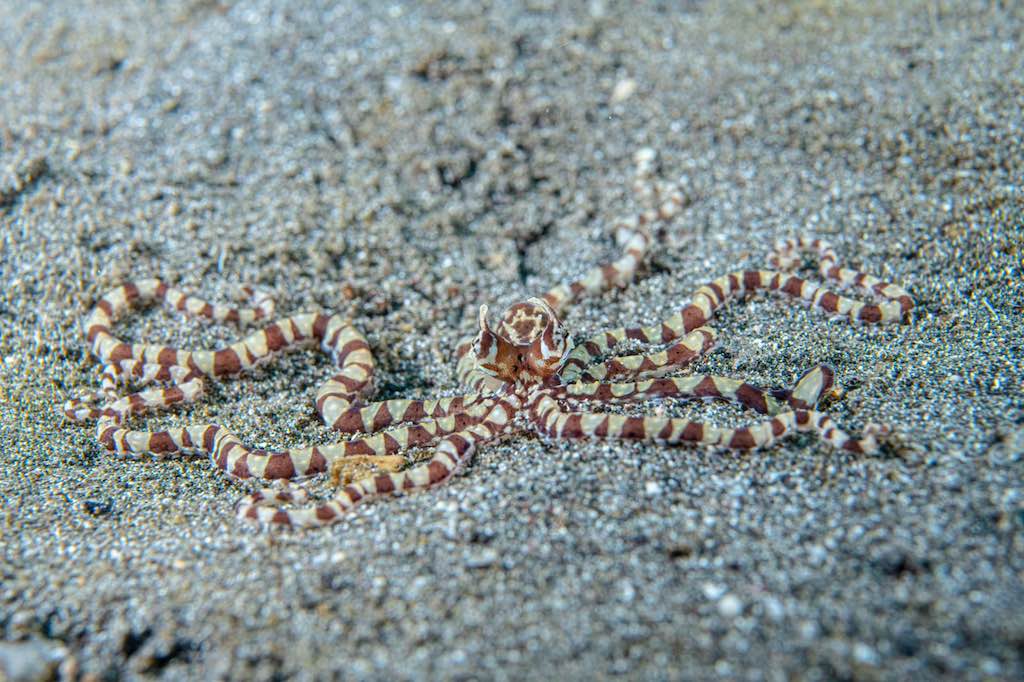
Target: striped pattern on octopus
[789,411]
[450,455]
[524,373]
[690,323]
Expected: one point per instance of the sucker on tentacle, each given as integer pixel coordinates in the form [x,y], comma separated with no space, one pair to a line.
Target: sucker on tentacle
[526,364]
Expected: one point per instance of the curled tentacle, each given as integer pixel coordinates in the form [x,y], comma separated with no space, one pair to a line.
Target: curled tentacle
[633,235]
[895,305]
[451,454]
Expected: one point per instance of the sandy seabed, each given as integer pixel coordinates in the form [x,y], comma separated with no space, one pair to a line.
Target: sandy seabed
[403,164]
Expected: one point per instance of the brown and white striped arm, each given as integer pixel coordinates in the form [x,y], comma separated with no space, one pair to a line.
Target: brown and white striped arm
[633,235]
[785,257]
[450,455]
[790,411]
[553,422]
[384,413]
[895,306]
[338,400]
[228,452]
[675,357]
[809,389]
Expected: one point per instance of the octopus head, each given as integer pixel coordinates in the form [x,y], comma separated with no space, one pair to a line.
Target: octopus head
[527,346]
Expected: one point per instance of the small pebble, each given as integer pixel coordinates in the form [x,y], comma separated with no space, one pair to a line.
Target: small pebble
[817,555]
[627,593]
[808,630]
[482,558]
[863,653]
[623,90]
[991,666]
[730,606]
[713,591]
[774,609]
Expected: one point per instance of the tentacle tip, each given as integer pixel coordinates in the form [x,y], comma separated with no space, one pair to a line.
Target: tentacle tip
[784,263]
[75,411]
[246,511]
[877,429]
